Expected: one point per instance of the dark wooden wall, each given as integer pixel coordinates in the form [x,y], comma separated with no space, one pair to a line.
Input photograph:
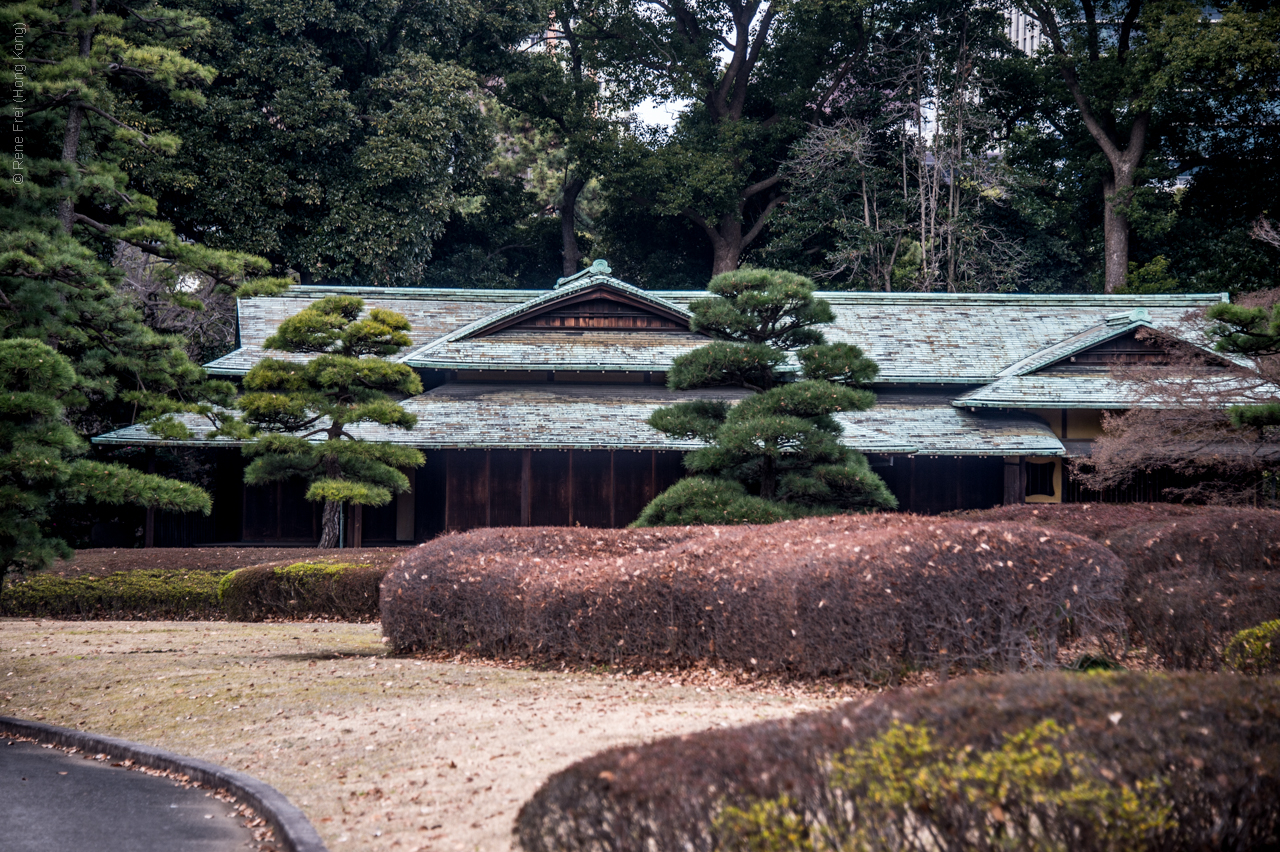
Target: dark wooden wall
[464,489]
[928,485]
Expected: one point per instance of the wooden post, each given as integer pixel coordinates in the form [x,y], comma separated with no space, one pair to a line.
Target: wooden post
[653,476]
[613,496]
[149,536]
[488,488]
[526,488]
[447,488]
[911,486]
[1015,489]
[357,525]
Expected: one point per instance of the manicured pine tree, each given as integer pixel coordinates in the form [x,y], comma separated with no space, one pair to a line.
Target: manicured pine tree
[777,454]
[39,466]
[308,408]
[1255,333]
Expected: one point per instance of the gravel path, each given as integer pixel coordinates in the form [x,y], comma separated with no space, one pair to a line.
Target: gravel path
[379,752]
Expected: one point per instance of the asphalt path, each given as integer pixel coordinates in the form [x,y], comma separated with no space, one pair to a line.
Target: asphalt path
[51,801]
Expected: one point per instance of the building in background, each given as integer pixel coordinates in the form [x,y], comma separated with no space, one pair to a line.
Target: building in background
[1024,32]
[535,403]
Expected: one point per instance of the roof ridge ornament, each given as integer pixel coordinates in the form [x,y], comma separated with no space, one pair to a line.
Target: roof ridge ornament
[597,268]
[1127,317]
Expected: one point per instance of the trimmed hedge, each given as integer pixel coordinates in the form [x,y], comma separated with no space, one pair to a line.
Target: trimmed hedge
[153,594]
[1212,743]
[864,597]
[1197,575]
[317,589]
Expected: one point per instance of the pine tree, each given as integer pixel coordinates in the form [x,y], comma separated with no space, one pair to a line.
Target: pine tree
[307,408]
[91,74]
[38,464]
[777,454]
[1255,333]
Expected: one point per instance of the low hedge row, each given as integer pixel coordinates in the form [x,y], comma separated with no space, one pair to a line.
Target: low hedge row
[1197,575]
[1201,753]
[151,594]
[851,596]
[318,589]
[342,591]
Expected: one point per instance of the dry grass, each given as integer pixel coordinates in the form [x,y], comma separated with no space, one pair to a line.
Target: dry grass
[381,753]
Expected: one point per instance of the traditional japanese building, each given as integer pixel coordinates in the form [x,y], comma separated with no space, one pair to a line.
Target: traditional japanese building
[535,403]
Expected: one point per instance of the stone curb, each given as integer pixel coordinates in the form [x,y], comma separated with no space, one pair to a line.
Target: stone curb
[292,828]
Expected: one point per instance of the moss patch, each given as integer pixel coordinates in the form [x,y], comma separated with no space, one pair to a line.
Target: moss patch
[182,595]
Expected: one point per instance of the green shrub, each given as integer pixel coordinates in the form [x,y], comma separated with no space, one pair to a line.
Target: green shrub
[908,793]
[706,500]
[1254,650]
[146,594]
[334,589]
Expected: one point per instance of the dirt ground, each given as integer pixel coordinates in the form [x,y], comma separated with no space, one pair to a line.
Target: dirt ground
[101,561]
[381,753]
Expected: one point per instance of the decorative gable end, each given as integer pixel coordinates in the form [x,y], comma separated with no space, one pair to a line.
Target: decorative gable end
[1123,350]
[599,308]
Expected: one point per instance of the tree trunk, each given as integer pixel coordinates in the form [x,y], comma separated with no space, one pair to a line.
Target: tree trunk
[726,245]
[70,150]
[768,480]
[75,121]
[1115,231]
[332,521]
[570,252]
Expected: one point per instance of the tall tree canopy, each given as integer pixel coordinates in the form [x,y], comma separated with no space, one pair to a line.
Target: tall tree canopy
[309,409]
[1139,78]
[896,187]
[89,69]
[754,72]
[555,88]
[776,454]
[337,139]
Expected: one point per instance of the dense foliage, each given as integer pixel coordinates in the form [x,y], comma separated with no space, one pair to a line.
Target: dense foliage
[336,140]
[909,793]
[40,462]
[1210,742]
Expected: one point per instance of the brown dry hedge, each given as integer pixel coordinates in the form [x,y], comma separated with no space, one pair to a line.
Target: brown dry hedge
[1213,739]
[857,596]
[1197,575]
[316,589]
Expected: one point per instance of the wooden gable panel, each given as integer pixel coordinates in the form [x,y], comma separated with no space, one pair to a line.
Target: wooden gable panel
[1124,350]
[597,309]
[601,314]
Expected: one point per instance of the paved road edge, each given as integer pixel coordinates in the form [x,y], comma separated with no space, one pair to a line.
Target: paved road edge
[293,830]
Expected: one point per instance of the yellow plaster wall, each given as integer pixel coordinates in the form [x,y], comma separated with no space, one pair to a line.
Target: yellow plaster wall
[1081,424]
[1057,480]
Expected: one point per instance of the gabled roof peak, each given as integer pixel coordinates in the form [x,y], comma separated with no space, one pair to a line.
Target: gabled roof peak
[598,269]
